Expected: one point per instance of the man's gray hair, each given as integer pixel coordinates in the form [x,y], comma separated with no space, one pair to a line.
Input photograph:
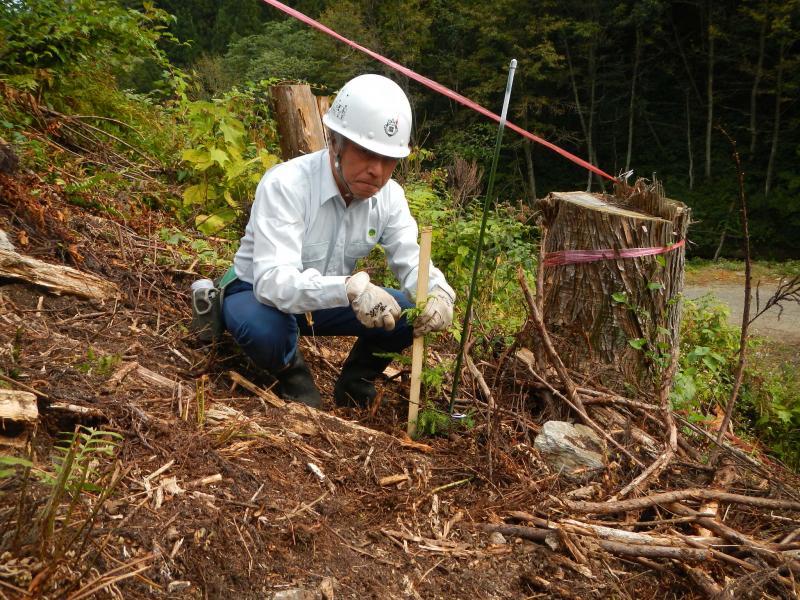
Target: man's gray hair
[337,140]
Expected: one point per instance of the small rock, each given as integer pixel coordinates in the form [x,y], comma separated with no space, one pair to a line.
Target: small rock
[586,492]
[5,243]
[294,594]
[497,538]
[177,586]
[571,449]
[326,588]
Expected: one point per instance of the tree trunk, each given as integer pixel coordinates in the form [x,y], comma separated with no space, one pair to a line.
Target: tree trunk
[298,120]
[709,93]
[636,57]
[586,128]
[762,38]
[597,310]
[527,147]
[773,151]
[689,142]
[724,233]
[590,124]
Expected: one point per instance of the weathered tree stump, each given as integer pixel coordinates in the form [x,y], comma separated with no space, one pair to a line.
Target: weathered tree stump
[620,310]
[297,115]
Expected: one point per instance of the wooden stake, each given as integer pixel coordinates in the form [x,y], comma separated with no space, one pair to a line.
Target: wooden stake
[418,349]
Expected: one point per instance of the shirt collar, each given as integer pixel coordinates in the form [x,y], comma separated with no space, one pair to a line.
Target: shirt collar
[327,188]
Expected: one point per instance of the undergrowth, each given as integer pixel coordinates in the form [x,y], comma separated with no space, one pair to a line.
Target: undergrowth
[770,396]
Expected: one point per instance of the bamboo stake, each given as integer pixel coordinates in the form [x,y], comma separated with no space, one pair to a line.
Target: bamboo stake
[418,348]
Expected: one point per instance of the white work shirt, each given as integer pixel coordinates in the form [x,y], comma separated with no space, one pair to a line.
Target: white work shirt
[302,241]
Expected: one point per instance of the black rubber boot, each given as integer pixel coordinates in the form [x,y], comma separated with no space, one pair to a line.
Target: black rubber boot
[356,383]
[296,384]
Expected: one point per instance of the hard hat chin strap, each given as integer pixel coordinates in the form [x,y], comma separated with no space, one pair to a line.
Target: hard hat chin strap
[338,142]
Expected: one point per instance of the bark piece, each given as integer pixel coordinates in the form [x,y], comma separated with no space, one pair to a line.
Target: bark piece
[58,279]
[18,406]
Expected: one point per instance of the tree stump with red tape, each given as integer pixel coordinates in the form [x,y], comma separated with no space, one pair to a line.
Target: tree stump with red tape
[613,279]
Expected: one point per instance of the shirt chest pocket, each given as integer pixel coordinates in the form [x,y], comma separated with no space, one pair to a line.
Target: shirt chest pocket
[356,250]
[314,256]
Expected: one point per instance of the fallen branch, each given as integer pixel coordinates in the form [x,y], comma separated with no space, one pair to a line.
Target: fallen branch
[551,538]
[664,498]
[555,359]
[265,394]
[58,279]
[671,444]
[21,385]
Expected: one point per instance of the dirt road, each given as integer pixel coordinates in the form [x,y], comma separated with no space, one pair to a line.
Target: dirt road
[781,326]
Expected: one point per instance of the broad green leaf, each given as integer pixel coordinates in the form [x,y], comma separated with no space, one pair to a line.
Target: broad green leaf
[229,199]
[194,194]
[232,130]
[212,224]
[637,343]
[219,156]
[234,169]
[196,155]
[15,460]
[654,285]
[619,297]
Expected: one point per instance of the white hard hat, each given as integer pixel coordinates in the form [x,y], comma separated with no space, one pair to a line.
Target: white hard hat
[373,112]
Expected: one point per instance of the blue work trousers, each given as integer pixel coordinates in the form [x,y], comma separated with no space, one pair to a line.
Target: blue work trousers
[269,336]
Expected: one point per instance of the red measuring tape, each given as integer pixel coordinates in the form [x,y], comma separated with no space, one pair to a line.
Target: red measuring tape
[572,257]
[437,87]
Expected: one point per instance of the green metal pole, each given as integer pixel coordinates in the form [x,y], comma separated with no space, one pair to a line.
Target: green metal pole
[489,191]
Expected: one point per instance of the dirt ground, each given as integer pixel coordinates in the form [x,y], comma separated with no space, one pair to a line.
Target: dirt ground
[211,492]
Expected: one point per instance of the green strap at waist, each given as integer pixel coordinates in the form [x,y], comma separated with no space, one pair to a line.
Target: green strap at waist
[227,278]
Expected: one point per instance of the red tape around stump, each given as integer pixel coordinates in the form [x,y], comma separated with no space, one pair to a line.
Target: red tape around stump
[572,257]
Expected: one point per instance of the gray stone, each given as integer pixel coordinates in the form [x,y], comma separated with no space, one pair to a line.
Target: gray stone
[294,594]
[571,449]
[5,243]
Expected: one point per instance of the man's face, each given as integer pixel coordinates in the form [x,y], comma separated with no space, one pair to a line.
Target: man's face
[365,171]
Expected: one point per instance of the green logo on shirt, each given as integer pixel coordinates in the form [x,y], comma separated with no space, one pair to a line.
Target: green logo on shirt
[371,233]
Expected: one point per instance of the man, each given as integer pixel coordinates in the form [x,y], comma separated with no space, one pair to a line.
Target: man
[312,219]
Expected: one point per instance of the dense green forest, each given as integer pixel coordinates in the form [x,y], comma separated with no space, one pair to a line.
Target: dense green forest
[643,85]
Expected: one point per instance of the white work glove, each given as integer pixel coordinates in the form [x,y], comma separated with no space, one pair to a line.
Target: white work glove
[437,314]
[374,306]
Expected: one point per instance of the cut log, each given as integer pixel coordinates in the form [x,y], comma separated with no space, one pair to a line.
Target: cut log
[58,279]
[297,116]
[596,309]
[18,406]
